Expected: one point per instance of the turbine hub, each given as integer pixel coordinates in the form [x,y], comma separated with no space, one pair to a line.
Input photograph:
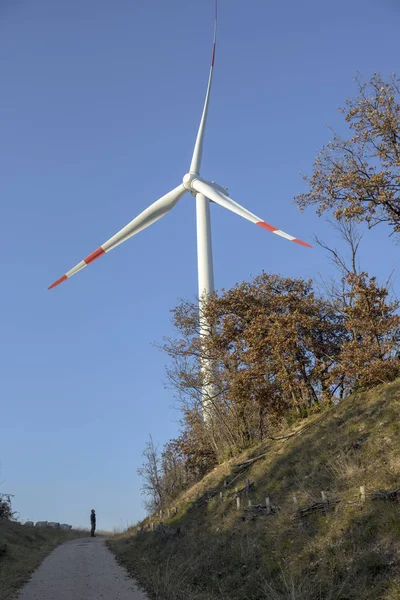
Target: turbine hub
[188,180]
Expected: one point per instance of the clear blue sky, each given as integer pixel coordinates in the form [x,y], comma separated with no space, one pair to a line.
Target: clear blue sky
[99,107]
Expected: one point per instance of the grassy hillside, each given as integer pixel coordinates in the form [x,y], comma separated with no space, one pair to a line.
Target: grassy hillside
[348,553]
[22,549]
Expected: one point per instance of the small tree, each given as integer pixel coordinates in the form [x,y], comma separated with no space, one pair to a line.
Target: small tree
[6,512]
[150,471]
[369,347]
[369,353]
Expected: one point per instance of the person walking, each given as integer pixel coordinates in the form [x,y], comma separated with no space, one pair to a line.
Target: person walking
[92,523]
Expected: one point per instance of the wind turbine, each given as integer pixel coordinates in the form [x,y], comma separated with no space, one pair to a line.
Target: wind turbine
[205,192]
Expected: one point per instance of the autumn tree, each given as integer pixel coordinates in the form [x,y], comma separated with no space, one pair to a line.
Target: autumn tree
[370,345]
[286,339]
[174,472]
[186,459]
[358,178]
[273,342]
[368,355]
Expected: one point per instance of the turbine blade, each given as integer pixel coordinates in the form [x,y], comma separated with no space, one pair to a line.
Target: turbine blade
[198,148]
[207,188]
[149,216]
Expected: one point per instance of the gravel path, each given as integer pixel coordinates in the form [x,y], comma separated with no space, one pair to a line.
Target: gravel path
[83,569]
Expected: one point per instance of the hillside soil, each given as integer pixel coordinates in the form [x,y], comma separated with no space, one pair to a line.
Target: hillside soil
[335,546]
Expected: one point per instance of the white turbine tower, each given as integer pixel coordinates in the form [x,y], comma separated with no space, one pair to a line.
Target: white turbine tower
[204,191]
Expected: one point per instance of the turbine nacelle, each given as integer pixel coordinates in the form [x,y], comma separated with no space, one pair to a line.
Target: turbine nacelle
[220,188]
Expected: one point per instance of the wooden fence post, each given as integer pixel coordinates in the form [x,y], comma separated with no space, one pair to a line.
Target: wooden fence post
[296,502]
[268,505]
[221,495]
[325,501]
[362,493]
[238,502]
[249,502]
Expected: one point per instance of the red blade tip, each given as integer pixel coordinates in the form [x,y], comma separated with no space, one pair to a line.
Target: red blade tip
[53,285]
[302,243]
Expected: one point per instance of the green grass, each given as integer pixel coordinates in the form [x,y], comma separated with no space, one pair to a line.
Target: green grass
[349,554]
[26,548]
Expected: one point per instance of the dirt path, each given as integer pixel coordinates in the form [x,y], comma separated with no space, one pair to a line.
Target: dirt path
[83,569]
